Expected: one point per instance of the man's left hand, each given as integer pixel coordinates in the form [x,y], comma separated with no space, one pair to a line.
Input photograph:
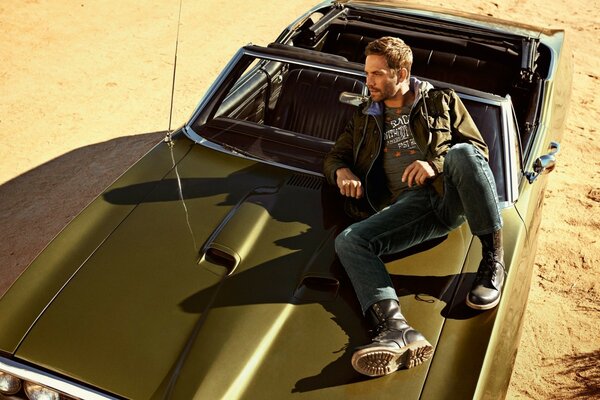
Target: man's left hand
[417,173]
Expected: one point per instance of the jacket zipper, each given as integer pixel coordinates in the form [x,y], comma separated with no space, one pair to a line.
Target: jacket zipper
[373,160]
[423,94]
[362,138]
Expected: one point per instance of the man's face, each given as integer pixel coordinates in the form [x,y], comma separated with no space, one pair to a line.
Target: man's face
[382,81]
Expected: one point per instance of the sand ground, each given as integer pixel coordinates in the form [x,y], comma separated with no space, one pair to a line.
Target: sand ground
[85,91]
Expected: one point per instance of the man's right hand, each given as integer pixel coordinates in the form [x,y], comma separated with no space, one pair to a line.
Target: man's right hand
[348,183]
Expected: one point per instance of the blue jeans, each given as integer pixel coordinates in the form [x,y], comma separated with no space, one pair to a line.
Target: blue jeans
[416,216]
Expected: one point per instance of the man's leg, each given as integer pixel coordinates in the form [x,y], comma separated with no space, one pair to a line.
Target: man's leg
[411,220]
[470,185]
[408,222]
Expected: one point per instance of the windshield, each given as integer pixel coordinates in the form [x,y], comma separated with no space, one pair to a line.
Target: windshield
[283,111]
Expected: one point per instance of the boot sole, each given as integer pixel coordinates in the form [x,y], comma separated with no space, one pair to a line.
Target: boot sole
[482,306]
[379,361]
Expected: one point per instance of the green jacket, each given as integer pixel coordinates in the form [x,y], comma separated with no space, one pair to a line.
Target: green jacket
[438,119]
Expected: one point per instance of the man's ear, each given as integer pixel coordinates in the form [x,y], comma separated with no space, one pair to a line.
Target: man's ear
[401,75]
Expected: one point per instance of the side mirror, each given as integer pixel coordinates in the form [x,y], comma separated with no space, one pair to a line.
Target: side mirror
[544,164]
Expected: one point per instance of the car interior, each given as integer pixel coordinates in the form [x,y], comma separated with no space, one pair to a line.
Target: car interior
[494,63]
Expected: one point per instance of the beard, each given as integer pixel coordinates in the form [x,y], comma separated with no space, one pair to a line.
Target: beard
[387,91]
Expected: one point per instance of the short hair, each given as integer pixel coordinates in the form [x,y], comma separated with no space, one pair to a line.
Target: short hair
[397,53]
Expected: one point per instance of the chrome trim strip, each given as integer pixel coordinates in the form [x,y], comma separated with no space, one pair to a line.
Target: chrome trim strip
[215,85]
[480,97]
[305,63]
[513,157]
[504,204]
[508,160]
[31,374]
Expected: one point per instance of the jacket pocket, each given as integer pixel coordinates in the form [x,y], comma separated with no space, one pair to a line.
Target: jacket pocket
[439,117]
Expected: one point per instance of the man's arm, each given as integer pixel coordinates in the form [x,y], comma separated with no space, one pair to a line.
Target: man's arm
[463,130]
[340,155]
[463,126]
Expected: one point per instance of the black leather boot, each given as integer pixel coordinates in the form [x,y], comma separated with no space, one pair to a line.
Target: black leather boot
[395,345]
[486,290]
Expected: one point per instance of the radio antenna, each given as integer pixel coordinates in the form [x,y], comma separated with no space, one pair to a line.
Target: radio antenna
[168,138]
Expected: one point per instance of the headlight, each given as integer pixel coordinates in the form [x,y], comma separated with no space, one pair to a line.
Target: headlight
[9,384]
[39,392]
[22,381]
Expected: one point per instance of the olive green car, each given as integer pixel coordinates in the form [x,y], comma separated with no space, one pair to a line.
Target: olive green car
[207,270]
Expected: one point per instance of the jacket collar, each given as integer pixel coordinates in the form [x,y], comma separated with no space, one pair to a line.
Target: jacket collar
[419,87]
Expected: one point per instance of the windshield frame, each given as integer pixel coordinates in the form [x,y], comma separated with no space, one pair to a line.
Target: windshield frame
[244,57]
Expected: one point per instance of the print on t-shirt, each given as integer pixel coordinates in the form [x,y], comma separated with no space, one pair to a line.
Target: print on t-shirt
[399,147]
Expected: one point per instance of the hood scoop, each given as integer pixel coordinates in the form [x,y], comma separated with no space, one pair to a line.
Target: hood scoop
[305,181]
[241,228]
[319,283]
[237,233]
[317,287]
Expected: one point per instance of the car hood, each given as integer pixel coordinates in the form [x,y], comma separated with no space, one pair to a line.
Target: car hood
[219,280]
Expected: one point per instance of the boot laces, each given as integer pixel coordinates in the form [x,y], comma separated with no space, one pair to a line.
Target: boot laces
[378,330]
[383,328]
[487,269]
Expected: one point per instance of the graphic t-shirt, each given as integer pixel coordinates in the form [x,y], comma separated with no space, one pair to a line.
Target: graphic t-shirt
[399,147]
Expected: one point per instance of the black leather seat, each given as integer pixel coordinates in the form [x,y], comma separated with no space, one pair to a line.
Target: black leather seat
[486,74]
[309,103]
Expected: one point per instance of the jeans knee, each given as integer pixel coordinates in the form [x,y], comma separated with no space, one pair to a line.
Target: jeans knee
[342,242]
[348,242]
[459,151]
[462,158]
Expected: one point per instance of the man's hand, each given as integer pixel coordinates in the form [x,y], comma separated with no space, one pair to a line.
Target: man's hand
[348,183]
[417,173]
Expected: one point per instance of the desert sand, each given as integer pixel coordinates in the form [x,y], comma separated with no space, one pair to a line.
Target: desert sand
[85,91]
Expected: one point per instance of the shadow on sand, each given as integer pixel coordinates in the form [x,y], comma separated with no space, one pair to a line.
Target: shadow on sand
[36,205]
[586,371]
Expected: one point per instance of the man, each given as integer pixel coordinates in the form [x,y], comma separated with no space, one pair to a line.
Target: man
[413,166]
